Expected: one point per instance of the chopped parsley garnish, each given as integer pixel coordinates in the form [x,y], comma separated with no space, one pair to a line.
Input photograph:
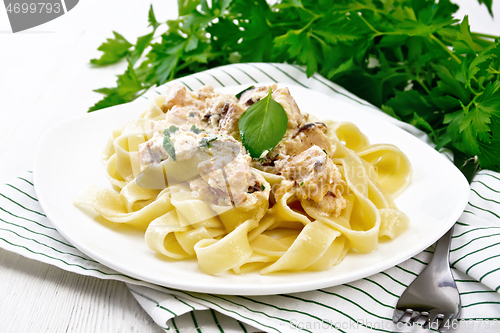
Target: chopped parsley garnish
[205,142]
[171,130]
[196,130]
[167,141]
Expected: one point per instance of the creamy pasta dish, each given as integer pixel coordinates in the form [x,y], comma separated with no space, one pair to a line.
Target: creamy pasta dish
[182,172]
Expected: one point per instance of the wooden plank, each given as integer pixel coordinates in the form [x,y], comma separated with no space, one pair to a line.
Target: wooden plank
[37,297]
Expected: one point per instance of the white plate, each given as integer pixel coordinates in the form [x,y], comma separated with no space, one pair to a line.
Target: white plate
[69,158]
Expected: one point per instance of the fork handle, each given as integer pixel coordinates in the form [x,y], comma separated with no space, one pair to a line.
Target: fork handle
[441,255]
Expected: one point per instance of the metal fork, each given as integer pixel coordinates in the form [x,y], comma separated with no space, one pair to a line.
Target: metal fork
[434,292]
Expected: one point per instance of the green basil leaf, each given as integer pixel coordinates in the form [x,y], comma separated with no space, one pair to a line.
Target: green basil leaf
[263,125]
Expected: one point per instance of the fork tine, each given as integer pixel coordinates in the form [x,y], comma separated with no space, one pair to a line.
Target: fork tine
[433,316]
[446,317]
[433,293]
[398,314]
[414,317]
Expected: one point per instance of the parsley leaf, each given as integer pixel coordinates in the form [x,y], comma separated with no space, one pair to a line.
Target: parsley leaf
[111,99]
[128,88]
[167,141]
[196,130]
[205,142]
[263,125]
[128,83]
[113,50]
[464,42]
[171,130]
[142,43]
[169,146]
[488,4]
[152,18]
[410,58]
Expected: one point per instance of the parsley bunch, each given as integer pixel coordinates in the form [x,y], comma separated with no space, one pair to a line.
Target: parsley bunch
[408,57]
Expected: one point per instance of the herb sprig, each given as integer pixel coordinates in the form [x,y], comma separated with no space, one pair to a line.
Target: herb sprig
[411,58]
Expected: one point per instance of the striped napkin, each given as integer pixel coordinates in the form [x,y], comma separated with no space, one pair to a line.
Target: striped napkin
[365,305]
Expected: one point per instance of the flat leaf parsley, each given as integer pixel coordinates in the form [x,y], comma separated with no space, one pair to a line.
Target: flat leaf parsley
[411,58]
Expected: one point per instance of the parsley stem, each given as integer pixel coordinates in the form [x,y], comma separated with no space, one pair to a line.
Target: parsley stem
[184,65]
[312,34]
[440,43]
[419,80]
[310,12]
[472,89]
[484,35]
[369,25]
[377,33]
[478,83]
[281,24]
[309,24]
[173,71]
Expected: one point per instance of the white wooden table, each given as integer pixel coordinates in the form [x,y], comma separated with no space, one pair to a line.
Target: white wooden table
[45,77]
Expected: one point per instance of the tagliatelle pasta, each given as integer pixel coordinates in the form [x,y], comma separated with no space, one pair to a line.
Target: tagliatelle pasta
[182,174]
